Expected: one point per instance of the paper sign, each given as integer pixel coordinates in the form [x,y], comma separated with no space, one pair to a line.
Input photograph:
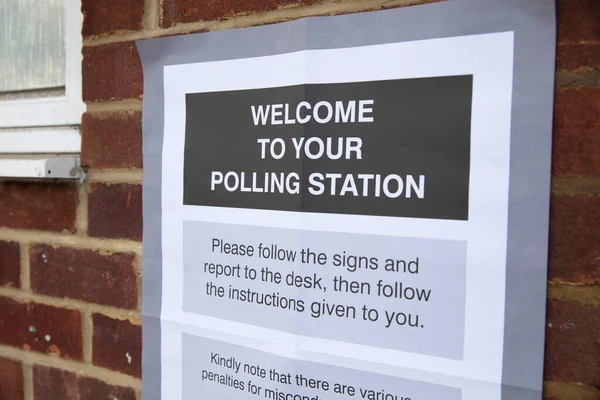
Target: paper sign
[349,207]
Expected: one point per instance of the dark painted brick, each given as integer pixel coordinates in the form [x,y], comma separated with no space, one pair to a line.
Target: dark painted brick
[41,328]
[112,140]
[117,345]
[56,384]
[11,380]
[44,206]
[92,276]
[111,71]
[10,264]
[115,211]
[578,20]
[574,240]
[109,16]
[576,142]
[573,343]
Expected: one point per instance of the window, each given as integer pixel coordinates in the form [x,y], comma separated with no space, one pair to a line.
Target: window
[40,88]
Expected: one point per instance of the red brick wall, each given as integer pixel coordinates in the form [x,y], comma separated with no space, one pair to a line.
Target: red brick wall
[70,255]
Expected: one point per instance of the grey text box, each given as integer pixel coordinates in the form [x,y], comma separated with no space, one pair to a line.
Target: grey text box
[417,287]
[221,371]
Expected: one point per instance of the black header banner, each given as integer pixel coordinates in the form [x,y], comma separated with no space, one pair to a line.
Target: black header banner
[388,148]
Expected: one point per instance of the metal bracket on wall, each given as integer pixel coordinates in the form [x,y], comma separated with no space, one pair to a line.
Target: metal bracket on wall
[41,153]
[47,167]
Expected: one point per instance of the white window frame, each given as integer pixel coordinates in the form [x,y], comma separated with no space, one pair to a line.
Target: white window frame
[46,125]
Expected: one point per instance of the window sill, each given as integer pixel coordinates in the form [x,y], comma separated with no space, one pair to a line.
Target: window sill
[52,168]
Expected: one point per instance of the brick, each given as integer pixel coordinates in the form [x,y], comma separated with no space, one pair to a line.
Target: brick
[185,11]
[576,143]
[577,20]
[115,211]
[574,240]
[91,276]
[55,384]
[33,205]
[111,71]
[578,57]
[10,264]
[573,343]
[283,3]
[182,11]
[112,140]
[117,345]
[110,16]
[388,6]
[11,380]
[41,328]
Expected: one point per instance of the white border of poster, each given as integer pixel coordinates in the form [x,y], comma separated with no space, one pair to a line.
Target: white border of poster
[489,59]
